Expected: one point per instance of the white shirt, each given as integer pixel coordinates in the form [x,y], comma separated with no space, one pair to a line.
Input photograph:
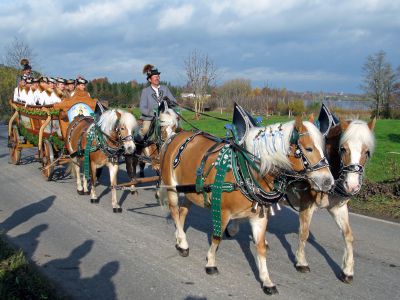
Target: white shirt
[16,95]
[30,100]
[156,89]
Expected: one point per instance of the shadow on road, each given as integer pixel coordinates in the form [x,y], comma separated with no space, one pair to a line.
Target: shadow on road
[67,270]
[22,215]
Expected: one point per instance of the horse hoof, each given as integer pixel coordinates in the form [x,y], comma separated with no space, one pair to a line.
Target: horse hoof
[80,192]
[115,210]
[303,269]
[86,193]
[96,200]
[212,270]
[346,278]
[270,290]
[119,210]
[182,252]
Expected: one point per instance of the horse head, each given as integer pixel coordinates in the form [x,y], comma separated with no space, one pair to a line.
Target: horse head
[118,126]
[355,146]
[169,121]
[306,155]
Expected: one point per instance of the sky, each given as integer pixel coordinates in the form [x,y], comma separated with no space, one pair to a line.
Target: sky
[300,45]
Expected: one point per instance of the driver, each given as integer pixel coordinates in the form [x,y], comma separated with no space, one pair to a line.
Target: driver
[151,97]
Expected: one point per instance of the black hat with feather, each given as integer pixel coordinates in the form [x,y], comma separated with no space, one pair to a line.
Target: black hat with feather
[150,70]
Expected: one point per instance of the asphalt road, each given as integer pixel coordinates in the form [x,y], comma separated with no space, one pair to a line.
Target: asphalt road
[92,253]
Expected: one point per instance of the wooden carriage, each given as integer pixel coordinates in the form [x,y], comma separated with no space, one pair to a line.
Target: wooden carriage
[45,127]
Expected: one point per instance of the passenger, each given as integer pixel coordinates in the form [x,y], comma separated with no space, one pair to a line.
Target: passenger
[61,88]
[70,86]
[19,88]
[26,70]
[31,94]
[40,95]
[80,85]
[23,96]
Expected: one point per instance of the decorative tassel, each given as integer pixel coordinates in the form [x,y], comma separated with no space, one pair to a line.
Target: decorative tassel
[278,207]
[271,211]
[254,207]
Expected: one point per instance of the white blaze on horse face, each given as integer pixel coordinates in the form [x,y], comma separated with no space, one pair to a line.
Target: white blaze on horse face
[352,181]
[321,179]
[129,145]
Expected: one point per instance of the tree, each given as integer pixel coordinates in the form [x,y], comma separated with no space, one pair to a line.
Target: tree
[201,74]
[16,51]
[379,82]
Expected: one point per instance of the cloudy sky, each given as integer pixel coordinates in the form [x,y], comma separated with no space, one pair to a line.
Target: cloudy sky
[302,45]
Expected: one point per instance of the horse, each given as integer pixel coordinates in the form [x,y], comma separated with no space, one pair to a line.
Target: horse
[164,124]
[348,147]
[294,148]
[108,138]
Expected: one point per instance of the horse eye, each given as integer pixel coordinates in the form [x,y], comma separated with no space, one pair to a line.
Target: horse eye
[368,154]
[342,149]
[309,149]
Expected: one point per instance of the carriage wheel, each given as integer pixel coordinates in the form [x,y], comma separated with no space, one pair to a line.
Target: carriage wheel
[15,152]
[47,160]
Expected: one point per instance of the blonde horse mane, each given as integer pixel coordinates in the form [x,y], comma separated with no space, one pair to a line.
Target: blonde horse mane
[168,118]
[109,118]
[358,130]
[271,145]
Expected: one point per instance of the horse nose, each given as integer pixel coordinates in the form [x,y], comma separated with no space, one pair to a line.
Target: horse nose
[352,188]
[129,149]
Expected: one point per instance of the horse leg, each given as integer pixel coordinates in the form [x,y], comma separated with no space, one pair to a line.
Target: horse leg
[77,170]
[211,267]
[259,228]
[305,216]
[113,168]
[131,162]
[93,195]
[181,242]
[341,216]
[142,165]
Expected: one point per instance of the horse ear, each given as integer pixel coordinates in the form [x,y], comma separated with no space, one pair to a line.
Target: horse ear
[343,124]
[118,114]
[371,124]
[298,123]
[311,118]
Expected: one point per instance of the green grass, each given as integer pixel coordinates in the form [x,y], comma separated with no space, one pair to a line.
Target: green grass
[383,165]
[19,279]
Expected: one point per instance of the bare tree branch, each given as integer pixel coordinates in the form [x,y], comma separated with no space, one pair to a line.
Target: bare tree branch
[16,51]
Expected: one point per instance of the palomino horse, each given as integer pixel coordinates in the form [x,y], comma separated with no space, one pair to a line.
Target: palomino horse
[110,137]
[348,146]
[275,150]
[163,126]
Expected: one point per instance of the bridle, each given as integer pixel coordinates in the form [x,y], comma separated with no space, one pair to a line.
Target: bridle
[346,169]
[298,153]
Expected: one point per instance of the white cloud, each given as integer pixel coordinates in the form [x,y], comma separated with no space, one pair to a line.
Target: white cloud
[175,17]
